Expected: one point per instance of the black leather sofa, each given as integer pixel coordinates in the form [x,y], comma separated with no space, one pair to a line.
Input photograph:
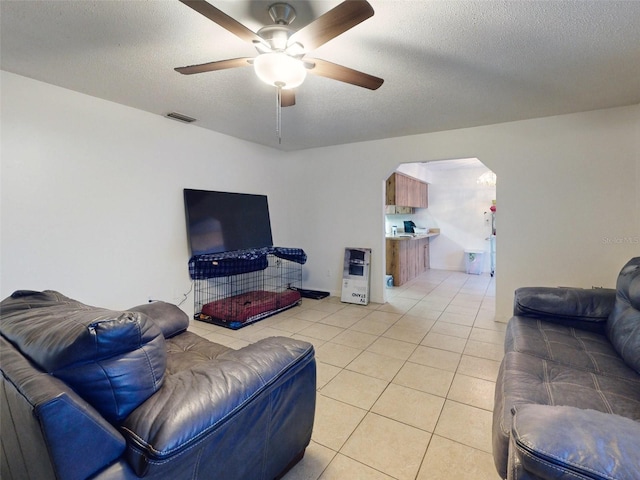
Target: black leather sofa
[567,399]
[88,392]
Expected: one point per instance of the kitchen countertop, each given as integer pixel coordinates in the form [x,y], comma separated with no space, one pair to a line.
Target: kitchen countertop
[412,236]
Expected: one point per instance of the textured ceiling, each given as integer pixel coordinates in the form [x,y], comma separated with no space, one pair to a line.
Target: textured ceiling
[446,64]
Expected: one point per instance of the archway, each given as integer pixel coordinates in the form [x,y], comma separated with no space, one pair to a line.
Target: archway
[460,206]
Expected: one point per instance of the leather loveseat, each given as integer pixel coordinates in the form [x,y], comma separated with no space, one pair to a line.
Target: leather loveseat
[567,400]
[88,392]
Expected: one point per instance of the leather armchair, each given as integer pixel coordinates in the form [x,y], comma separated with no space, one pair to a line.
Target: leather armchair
[91,393]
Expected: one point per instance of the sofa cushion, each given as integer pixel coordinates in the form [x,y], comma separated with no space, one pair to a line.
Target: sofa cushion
[580,443]
[529,379]
[114,360]
[526,379]
[623,327]
[186,350]
[565,345]
[167,316]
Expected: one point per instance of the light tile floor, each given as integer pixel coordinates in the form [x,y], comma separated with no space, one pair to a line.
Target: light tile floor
[405,389]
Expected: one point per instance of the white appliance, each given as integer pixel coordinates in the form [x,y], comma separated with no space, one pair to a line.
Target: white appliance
[356,275]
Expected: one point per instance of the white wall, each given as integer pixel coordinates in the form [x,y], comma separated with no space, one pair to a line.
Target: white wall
[567,185]
[92,196]
[461,208]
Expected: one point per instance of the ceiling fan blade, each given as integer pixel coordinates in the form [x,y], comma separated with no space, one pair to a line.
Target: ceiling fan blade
[213,66]
[224,20]
[341,73]
[287,98]
[336,21]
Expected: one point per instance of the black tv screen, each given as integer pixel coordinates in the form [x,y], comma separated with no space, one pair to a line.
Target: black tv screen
[224,222]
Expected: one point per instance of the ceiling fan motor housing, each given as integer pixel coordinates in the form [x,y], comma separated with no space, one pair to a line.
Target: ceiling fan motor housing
[276,36]
[282,13]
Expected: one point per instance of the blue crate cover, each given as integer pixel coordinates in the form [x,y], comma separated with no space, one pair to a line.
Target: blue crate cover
[213,265]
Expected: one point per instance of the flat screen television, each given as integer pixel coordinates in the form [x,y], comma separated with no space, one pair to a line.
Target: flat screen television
[224,222]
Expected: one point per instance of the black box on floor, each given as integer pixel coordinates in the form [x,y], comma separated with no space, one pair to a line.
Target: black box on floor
[315,294]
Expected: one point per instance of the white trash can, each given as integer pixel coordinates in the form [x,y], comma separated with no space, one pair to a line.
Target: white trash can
[474,261]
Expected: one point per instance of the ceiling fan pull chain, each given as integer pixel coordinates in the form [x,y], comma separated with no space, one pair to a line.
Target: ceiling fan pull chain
[279,112]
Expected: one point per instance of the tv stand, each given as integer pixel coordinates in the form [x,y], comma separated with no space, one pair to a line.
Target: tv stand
[236,289]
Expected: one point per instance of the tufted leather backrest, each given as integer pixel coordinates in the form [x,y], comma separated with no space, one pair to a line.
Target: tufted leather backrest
[623,325]
[114,360]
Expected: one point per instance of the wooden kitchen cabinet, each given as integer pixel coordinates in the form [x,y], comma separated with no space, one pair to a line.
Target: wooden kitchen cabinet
[407,258]
[423,255]
[407,191]
[397,262]
[402,190]
[412,258]
[423,194]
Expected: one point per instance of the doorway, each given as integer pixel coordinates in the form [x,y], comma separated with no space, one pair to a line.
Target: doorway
[462,205]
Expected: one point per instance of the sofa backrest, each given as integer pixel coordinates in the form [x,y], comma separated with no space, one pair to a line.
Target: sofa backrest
[587,309]
[48,431]
[623,325]
[114,360]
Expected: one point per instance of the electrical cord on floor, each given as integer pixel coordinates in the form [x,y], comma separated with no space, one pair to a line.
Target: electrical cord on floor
[186,295]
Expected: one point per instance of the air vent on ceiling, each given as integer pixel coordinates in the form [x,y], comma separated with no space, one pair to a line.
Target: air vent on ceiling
[180,117]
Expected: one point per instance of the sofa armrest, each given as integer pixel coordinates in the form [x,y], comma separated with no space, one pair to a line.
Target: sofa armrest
[47,429]
[549,440]
[259,399]
[578,307]
[167,316]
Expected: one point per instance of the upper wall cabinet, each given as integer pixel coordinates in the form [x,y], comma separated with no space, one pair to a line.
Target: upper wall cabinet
[406,191]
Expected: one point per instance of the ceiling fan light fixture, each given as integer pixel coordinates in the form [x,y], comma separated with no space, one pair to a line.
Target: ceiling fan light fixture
[280,70]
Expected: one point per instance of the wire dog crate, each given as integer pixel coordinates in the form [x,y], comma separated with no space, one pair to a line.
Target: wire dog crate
[239,299]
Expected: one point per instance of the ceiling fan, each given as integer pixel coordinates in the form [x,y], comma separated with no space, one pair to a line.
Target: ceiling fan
[281,59]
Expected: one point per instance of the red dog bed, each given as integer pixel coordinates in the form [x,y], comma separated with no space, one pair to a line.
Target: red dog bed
[246,306]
